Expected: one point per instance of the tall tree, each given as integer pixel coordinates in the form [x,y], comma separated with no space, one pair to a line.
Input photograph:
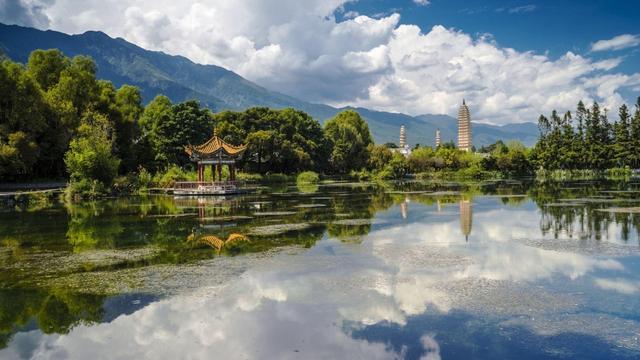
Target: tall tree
[622,147]
[349,136]
[635,137]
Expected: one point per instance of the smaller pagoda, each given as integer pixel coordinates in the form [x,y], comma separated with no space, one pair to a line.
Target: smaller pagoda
[217,153]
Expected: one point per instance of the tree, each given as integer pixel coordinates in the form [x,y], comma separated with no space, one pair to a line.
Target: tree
[421,160]
[128,102]
[379,156]
[622,147]
[188,124]
[45,66]
[349,137]
[286,140]
[90,157]
[635,137]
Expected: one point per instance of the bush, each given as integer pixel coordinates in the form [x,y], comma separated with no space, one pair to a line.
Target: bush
[396,169]
[276,178]
[308,177]
[248,177]
[172,174]
[84,188]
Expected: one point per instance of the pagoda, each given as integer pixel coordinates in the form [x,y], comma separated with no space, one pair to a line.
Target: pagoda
[215,152]
[464,127]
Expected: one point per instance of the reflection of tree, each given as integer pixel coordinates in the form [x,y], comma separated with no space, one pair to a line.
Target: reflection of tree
[582,217]
[89,229]
[362,206]
[54,311]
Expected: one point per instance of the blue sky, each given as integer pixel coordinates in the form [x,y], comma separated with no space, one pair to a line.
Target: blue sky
[511,60]
[553,26]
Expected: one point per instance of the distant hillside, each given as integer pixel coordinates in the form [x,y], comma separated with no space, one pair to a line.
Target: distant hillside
[219,89]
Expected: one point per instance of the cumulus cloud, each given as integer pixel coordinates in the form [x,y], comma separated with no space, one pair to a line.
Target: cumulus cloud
[616,43]
[422,2]
[24,12]
[302,49]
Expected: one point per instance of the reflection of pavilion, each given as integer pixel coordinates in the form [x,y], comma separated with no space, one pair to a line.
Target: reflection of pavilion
[466,217]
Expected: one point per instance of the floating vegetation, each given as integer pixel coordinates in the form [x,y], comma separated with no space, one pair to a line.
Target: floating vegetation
[226,218]
[596,200]
[278,229]
[309,206]
[172,215]
[357,222]
[395,192]
[625,210]
[443,193]
[274,213]
[564,204]
[342,215]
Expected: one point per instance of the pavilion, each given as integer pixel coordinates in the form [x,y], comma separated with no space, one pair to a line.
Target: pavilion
[215,152]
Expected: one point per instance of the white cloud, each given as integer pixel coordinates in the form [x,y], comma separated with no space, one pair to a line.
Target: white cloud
[518,9]
[616,43]
[300,48]
[422,2]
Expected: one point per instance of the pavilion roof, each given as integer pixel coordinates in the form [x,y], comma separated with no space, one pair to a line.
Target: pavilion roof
[214,146]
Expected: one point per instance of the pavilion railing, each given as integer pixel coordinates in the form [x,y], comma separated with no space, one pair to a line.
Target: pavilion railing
[207,184]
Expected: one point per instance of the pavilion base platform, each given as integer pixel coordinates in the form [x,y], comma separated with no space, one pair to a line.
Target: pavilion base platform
[200,188]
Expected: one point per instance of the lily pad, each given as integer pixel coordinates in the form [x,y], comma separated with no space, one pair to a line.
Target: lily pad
[274,213]
[278,229]
[624,210]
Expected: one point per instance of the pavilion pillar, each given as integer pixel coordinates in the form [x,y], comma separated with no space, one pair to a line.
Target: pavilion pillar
[200,172]
[213,172]
[232,172]
[219,172]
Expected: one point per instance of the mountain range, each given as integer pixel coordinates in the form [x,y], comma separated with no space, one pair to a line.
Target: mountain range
[217,88]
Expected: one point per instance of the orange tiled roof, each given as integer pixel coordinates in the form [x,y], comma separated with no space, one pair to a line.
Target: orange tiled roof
[214,145]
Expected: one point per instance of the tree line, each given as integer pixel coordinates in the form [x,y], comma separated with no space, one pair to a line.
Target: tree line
[588,140]
[57,120]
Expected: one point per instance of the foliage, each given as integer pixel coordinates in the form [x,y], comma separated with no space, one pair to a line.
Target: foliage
[90,158]
[350,138]
[379,156]
[278,141]
[308,177]
[396,169]
[170,175]
[592,143]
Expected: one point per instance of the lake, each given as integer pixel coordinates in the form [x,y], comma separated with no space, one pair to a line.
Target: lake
[338,271]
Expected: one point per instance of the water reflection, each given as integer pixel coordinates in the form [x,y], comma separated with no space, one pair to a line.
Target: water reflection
[346,270]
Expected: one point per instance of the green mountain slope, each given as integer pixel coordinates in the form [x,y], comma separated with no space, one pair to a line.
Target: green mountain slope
[181,79]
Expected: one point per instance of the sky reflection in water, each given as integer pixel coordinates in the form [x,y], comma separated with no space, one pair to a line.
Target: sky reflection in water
[450,275]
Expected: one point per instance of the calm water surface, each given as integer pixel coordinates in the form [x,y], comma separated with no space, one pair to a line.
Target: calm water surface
[431,271]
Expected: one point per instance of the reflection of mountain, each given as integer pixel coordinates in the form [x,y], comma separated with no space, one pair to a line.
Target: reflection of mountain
[466,217]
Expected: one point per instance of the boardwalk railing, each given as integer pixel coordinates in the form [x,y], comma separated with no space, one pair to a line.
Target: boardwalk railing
[193,185]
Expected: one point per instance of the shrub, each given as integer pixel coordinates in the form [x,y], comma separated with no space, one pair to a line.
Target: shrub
[308,177]
[275,178]
[85,188]
[172,174]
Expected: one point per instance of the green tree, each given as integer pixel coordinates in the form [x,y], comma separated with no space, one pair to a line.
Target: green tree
[379,156]
[45,66]
[188,125]
[349,137]
[90,157]
[635,137]
[622,146]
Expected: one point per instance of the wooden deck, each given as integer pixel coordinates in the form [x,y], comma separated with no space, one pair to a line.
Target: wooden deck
[208,188]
